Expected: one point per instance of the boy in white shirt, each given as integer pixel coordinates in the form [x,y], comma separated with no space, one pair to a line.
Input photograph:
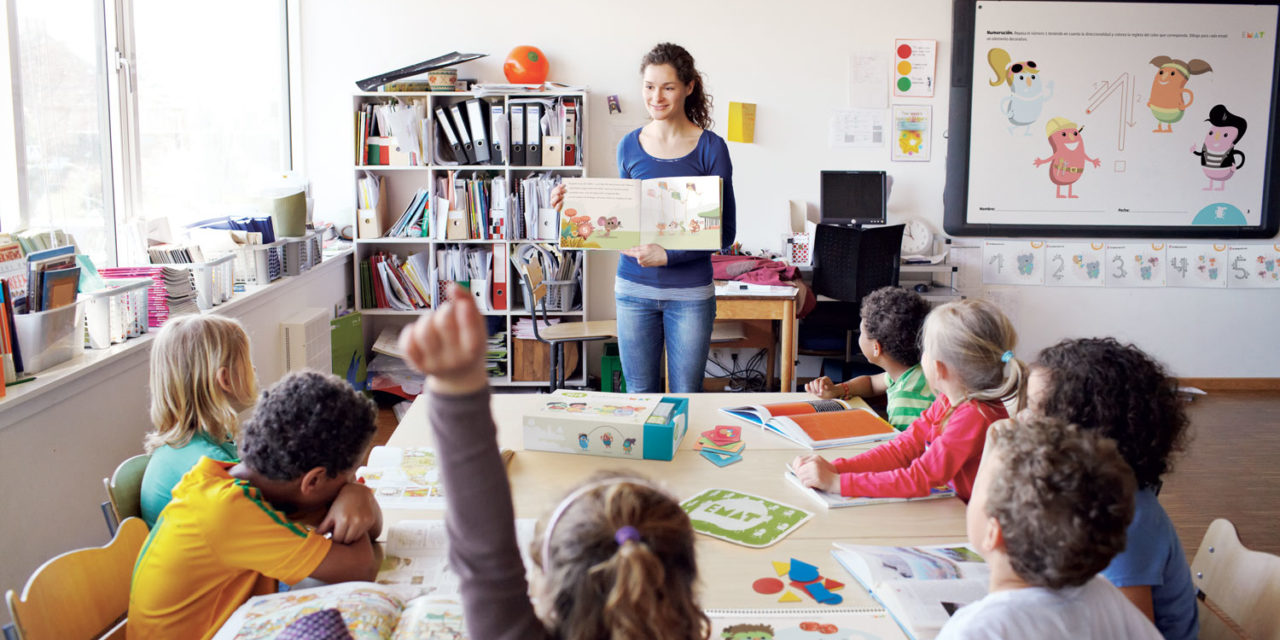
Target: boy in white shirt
[1050,507]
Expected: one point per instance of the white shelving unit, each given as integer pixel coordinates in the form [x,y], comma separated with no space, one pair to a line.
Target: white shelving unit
[402,183]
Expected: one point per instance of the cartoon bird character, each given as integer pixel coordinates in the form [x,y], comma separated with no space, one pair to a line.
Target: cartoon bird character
[607,440]
[627,444]
[1169,95]
[1218,152]
[584,441]
[607,225]
[1066,163]
[1027,98]
[747,632]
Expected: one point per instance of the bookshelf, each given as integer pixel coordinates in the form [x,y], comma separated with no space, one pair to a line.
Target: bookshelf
[401,184]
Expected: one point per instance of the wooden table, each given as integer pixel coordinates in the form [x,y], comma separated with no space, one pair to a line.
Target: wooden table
[539,480]
[759,307]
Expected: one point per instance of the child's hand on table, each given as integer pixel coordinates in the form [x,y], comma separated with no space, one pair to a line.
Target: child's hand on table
[449,345]
[354,513]
[815,471]
[824,388]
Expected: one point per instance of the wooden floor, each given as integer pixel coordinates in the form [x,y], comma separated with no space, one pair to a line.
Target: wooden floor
[1231,469]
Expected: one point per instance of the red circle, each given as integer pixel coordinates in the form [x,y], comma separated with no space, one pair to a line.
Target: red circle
[904,51]
[767,586]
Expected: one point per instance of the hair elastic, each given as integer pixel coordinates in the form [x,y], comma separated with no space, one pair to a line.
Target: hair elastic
[626,533]
[1008,355]
[622,534]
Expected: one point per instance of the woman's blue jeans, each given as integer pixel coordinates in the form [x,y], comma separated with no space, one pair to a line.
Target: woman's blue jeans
[683,326]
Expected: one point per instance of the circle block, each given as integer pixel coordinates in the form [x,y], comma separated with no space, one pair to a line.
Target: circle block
[767,586]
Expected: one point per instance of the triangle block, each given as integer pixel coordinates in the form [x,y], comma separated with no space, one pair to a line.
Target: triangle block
[832,585]
[790,596]
[782,567]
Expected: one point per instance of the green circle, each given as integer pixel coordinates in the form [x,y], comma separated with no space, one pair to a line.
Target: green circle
[904,84]
[533,56]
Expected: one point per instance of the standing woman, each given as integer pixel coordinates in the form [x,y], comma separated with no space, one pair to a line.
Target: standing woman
[666,297]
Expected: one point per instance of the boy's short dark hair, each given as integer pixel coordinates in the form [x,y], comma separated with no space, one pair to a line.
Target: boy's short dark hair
[308,419]
[1099,383]
[894,317]
[1064,499]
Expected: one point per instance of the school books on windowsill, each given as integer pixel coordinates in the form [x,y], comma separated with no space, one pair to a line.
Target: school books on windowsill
[676,213]
[836,501]
[817,424]
[175,254]
[921,587]
[171,294]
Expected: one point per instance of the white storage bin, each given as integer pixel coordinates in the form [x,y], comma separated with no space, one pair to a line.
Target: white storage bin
[215,281]
[52,337]
[295,254]
[259,263]
[116,313]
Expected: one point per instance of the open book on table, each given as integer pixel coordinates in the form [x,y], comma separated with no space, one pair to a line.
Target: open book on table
[836,501]
[676,213]
[921,587]
[817,424]
[816,623]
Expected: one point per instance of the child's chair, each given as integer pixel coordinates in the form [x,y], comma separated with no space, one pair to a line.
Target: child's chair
[124,489]
[536,290]
[80,594]
[1238,588]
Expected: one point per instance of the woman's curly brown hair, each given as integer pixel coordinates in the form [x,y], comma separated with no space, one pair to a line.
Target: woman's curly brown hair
[1063,497]
[1099,383]
[697,106]
[894,317]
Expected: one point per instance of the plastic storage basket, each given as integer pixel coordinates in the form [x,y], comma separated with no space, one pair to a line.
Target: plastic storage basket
[116,313]
[47,338]
[259,264]
[215,281]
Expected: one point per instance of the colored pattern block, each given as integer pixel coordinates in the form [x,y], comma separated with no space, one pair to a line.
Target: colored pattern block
[803,571]
[768,586]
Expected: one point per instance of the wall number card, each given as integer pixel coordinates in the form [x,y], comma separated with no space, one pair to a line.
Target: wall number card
[1253,266]
[1075,264]
[1135,265]
[1012,262]
[1196,265]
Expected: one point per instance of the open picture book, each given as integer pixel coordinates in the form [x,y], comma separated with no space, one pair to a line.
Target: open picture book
[825,623]
[836,501]
[921,587]
[817,424]
[676,213]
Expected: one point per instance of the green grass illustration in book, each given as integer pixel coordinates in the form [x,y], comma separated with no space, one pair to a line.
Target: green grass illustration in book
[677,213]
[742,518]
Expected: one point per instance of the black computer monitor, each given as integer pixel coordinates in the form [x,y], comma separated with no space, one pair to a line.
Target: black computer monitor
[853,197]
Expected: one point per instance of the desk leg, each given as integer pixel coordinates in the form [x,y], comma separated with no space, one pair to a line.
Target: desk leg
[788,354]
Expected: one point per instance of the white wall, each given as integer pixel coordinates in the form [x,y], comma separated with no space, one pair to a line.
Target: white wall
[791,59]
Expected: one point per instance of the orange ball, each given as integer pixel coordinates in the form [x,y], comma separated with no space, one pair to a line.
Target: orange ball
[526,65]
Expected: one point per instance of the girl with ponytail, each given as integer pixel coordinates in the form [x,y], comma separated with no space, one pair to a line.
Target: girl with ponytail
[968,360]
[615,559]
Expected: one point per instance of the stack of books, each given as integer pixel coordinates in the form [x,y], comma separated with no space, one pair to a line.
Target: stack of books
[175,254]
[172,294]
[496,355]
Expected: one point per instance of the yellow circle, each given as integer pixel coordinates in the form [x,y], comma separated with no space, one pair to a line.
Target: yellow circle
[904,68]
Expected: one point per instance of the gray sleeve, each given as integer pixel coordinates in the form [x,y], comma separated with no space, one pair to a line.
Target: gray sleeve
[480,519]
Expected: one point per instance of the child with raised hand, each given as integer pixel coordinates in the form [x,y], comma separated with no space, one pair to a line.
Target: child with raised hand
[1049,510]
[201,379]
[889,337]
[615,559]
[1122,393]
[968,361]
[232,529]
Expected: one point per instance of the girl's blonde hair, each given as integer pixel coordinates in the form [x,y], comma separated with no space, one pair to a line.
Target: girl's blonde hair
[975,340]
[621,565]
[185,395]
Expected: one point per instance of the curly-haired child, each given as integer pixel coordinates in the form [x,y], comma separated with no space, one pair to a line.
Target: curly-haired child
[1120,391]
[968,360]
[1049,510]
[889,337]
[615,559]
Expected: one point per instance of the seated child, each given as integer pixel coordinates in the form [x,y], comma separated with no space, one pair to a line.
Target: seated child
[1118,390]
[616,557]
[201,379]
[232,529]
[968,361]
[889,337]
[1049,511]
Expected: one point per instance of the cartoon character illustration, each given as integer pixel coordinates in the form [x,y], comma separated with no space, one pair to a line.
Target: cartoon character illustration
[693,226]
[1207,266]
[606,439]
[557,406]
[1168,90]
[1026,264]
[1218,151]
[627,444]
[747,632]
[1091,269]
[1027,98]
[577,407]
[583,441]
[607,225]
[1068,157]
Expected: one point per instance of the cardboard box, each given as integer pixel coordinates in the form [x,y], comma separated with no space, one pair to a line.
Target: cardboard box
[608,424]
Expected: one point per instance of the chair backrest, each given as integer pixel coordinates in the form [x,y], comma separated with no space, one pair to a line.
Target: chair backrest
[1239,588]
[850,263]
[80,594]
[124,487]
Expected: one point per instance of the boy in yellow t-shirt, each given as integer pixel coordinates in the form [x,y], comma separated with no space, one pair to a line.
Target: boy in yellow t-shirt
[232,529]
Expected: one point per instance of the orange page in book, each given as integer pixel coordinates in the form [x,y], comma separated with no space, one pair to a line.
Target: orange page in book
[802,408]
[842,424]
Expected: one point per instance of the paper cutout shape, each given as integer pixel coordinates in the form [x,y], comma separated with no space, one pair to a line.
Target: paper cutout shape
[790,596]
[768,586]
[783,568]
[803,571]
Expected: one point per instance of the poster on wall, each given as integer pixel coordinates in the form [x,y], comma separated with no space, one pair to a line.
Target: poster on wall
[1135,265]
[912,133]
[1114,119]
[1201,266]
[1254,266]
[1012,262]
[914,68]
[1075,264]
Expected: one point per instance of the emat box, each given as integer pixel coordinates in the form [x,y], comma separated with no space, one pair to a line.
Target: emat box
[607,424]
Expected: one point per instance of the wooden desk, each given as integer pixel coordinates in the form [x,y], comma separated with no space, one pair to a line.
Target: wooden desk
[539,480]
[756,307]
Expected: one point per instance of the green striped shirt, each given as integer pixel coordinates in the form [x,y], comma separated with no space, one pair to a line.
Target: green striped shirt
[909,396]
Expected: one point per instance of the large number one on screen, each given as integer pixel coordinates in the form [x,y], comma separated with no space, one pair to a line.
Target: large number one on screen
[1105,89]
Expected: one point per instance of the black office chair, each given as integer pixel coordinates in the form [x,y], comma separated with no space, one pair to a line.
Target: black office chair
[849,263]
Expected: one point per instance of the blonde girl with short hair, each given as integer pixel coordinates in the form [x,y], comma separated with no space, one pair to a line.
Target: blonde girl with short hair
[201,379]
[968,360]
